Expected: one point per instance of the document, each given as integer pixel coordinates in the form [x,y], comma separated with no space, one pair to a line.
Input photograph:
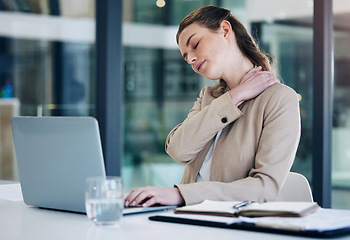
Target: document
[250,209]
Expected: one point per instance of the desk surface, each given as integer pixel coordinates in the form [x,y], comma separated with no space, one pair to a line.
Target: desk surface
[20,222]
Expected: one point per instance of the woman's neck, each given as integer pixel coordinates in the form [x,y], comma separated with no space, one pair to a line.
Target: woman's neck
[237,72]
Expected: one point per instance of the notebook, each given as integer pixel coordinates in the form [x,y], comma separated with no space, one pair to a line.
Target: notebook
[55,156]
[249,209]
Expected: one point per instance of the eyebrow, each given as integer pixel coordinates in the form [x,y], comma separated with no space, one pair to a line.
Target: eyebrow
[187,43]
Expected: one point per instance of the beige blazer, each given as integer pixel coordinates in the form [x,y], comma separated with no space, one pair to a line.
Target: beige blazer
[254,153]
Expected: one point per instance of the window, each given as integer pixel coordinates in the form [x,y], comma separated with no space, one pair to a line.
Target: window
[46,65]
[341,107]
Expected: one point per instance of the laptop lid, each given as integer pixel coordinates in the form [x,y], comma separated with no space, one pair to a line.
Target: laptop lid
[55,156]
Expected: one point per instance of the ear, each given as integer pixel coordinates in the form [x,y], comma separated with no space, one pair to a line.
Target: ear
[226,28]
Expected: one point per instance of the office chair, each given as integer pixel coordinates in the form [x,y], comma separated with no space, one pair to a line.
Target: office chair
[296,188]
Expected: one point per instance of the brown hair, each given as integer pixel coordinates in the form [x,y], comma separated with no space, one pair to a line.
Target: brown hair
[211,17]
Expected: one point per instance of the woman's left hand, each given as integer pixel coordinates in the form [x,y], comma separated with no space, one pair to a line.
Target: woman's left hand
[252,84]
[148,196]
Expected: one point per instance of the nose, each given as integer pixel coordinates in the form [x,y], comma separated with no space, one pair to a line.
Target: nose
[191,59]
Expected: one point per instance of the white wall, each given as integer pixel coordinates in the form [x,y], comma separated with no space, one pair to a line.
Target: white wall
[45,27]
[268,10]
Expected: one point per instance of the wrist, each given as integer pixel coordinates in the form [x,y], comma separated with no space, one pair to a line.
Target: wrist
[235,97]
[180,200]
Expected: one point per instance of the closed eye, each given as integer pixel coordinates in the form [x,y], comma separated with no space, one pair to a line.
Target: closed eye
[196,45]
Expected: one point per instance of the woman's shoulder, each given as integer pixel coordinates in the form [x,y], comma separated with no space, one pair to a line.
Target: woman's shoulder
[280,91]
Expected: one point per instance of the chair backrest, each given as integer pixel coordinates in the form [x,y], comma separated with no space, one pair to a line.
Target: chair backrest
[295,189]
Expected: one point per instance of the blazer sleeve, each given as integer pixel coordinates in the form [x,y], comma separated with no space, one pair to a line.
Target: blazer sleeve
[275,154]
[187,139]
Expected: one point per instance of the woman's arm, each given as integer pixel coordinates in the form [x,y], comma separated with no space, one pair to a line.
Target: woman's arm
[273,159]
[253,83]
[187,139]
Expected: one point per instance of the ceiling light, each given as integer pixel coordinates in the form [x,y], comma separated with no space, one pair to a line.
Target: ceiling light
[160,3]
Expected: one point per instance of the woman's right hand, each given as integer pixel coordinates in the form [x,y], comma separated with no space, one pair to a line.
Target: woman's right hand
[148,196]
[253,83]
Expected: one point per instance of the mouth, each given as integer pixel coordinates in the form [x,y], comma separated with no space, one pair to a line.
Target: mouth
[200,65]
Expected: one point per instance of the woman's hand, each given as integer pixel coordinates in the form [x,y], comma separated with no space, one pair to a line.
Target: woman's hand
[252,84]
[148,196]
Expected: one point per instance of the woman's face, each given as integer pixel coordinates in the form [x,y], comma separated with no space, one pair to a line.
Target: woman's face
[205,50]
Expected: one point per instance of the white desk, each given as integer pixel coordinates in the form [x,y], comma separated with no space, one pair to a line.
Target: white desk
[18,221]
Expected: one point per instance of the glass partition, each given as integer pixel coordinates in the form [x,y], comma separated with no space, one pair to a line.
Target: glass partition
[291,45]
[341,107]
[160,88]
[46,64]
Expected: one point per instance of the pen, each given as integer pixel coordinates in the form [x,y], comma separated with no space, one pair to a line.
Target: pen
[242,204]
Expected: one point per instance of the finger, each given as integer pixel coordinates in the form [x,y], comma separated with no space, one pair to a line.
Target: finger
[150,202]
[144,195]
[128,198]
[263,76]
[251,73]
[131,197]
[272,80]
[254,69]
[276,79]
[272,75]
[264,73]
[248,76]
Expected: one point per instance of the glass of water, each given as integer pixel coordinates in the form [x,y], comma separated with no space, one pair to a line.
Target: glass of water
[104,200]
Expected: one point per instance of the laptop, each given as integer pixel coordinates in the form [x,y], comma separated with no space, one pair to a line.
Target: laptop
[55,156]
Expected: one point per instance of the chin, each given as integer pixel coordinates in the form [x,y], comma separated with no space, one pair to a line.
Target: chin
[214,78]
[211,77]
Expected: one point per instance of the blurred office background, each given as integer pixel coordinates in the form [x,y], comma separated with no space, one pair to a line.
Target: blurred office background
[47,68]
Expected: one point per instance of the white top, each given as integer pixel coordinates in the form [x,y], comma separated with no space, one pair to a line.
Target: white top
[204,172]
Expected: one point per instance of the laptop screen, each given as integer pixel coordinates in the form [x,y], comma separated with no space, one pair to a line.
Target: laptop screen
[55,156]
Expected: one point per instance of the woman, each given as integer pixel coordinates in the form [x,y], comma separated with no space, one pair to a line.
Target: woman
[239,140]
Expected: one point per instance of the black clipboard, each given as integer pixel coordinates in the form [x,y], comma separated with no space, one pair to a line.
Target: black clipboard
[252,227]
